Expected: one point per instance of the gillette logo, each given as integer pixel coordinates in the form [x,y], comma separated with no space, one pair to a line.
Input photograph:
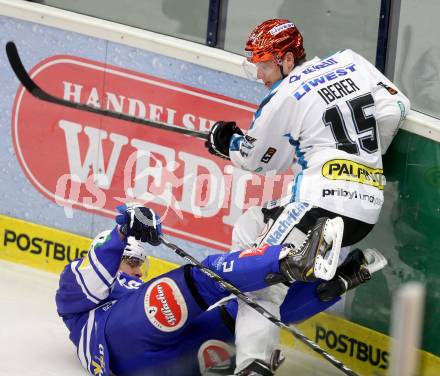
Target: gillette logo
[285,223]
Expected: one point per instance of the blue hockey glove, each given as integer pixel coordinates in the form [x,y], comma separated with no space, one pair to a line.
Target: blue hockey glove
[220,136]
[141,222]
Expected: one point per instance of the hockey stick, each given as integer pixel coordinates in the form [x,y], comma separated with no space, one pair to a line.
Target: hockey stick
[30,85]
[249,301]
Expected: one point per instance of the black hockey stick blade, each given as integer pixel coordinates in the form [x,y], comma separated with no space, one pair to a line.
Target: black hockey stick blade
[250,302]
[30,85]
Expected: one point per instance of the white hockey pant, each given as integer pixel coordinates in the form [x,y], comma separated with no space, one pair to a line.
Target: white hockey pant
[256,337]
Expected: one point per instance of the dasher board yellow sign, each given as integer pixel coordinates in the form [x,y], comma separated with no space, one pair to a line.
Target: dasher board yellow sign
[365,351]
[49,249]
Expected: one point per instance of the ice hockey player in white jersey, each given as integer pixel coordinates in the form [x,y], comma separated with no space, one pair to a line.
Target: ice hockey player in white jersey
[332,119]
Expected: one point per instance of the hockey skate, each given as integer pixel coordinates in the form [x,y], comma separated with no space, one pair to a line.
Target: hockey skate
[256,368]
[225,369]
[355,270]
[318,255]
[260,368]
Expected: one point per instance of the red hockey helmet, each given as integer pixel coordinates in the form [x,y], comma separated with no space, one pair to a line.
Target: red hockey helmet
[272,39]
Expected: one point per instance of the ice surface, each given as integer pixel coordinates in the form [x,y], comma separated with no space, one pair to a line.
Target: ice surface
[33,339]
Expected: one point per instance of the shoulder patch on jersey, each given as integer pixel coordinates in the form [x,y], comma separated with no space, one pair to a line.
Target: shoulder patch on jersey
[249,141]
[165,305]
[390,89]
[270,152]
[213,353]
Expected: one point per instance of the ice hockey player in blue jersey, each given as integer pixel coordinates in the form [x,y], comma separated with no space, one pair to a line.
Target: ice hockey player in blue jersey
[124,326]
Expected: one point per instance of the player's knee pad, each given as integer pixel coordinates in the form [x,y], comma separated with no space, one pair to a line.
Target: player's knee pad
[248,228]
[272,224]
[281,222]
[216,358]
[274,293]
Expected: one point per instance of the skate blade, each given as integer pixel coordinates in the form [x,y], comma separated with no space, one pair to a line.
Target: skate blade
[326,263]
[376,261]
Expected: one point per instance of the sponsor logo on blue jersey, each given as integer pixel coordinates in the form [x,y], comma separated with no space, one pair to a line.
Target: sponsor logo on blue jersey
[308,85]
[98,363]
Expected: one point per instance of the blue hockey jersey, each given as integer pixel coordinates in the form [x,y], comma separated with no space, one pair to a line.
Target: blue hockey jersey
[124,326]
[91,290]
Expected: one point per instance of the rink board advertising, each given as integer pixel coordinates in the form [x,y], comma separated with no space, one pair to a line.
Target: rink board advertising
[364,350]
[49,249]
[66,169]
[79,159]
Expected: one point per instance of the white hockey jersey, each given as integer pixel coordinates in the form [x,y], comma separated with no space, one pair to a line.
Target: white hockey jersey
[334,118]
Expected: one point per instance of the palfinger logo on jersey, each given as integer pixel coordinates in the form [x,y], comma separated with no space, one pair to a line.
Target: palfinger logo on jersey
[165,305]
[343,169]
[214,353]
